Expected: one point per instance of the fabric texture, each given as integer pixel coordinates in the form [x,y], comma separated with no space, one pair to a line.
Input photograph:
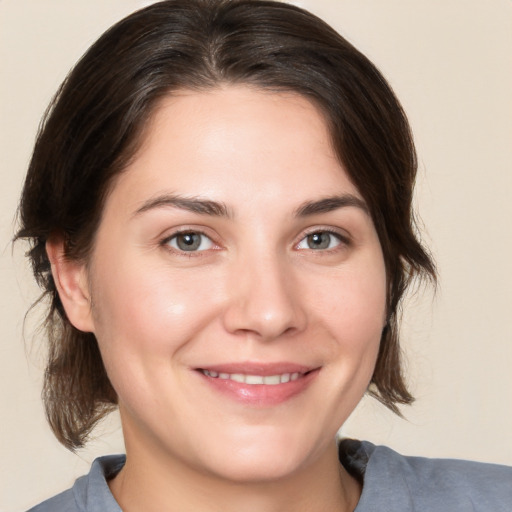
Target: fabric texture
[418,484]
[90,493]
[391,482]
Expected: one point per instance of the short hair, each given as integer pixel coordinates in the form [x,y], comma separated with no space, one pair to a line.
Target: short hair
[95,123]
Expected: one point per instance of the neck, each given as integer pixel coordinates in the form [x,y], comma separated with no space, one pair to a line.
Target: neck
[152,483]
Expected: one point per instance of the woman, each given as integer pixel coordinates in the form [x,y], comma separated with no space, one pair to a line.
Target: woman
[219,205]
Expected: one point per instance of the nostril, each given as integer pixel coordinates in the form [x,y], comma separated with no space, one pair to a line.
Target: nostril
[263,305]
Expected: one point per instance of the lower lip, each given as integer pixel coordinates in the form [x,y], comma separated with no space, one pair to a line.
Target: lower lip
[262,395]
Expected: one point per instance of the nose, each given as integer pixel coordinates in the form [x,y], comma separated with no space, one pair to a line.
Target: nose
[264,300]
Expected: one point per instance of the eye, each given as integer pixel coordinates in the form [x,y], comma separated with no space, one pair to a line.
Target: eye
[320,241]
[190,241]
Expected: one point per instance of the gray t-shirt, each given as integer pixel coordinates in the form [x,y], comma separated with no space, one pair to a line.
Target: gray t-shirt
[391,482]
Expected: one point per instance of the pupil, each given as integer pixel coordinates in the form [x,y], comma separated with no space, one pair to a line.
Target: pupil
[319,240]
[189,241]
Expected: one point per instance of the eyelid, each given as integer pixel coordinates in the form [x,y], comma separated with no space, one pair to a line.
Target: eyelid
[164,241]
[341,235]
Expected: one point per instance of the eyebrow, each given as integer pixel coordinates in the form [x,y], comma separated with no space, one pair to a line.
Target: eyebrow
[330,204]
[219,209]
[191,204]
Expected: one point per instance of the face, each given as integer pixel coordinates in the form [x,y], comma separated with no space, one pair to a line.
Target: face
[238,286]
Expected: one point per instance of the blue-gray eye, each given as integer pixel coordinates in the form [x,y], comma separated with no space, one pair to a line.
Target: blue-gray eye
[319,240]
[190,241]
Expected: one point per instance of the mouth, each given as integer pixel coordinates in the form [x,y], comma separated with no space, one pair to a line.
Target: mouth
[253,380]
[261,385]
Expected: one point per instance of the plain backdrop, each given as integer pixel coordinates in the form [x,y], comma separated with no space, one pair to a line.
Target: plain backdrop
[449,62]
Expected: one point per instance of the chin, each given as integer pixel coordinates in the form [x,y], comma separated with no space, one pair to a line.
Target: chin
[243,469]
[266,455]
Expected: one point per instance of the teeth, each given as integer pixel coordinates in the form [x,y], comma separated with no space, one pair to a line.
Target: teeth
[255,379]
[270,380]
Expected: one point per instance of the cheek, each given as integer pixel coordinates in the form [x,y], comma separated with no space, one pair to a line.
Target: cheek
[144,319]
[354,303]
[353,310]
[149,309]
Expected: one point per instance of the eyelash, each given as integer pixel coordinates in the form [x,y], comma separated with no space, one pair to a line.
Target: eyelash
[165,242]
[344,240]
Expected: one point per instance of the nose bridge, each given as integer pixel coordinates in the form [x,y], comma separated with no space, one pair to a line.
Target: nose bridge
[261,297]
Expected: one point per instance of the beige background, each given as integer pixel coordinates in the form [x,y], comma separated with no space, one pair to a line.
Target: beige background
[450,63]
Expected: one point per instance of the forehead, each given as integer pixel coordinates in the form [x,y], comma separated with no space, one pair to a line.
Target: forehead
[235,141]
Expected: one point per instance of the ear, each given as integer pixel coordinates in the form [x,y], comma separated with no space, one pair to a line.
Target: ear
[72,284]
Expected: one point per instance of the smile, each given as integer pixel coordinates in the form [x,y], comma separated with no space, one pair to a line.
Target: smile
[268,380]
[259,385]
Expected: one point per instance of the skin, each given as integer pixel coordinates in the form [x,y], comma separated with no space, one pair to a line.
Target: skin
[256,291]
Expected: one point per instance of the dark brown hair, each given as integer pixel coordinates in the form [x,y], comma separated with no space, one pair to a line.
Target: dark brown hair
[95,122]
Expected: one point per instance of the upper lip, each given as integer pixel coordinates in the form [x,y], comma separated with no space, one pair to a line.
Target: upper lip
[258,368]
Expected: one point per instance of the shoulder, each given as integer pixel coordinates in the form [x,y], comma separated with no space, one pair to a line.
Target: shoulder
[394,481]
[63,502]
[90,493]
